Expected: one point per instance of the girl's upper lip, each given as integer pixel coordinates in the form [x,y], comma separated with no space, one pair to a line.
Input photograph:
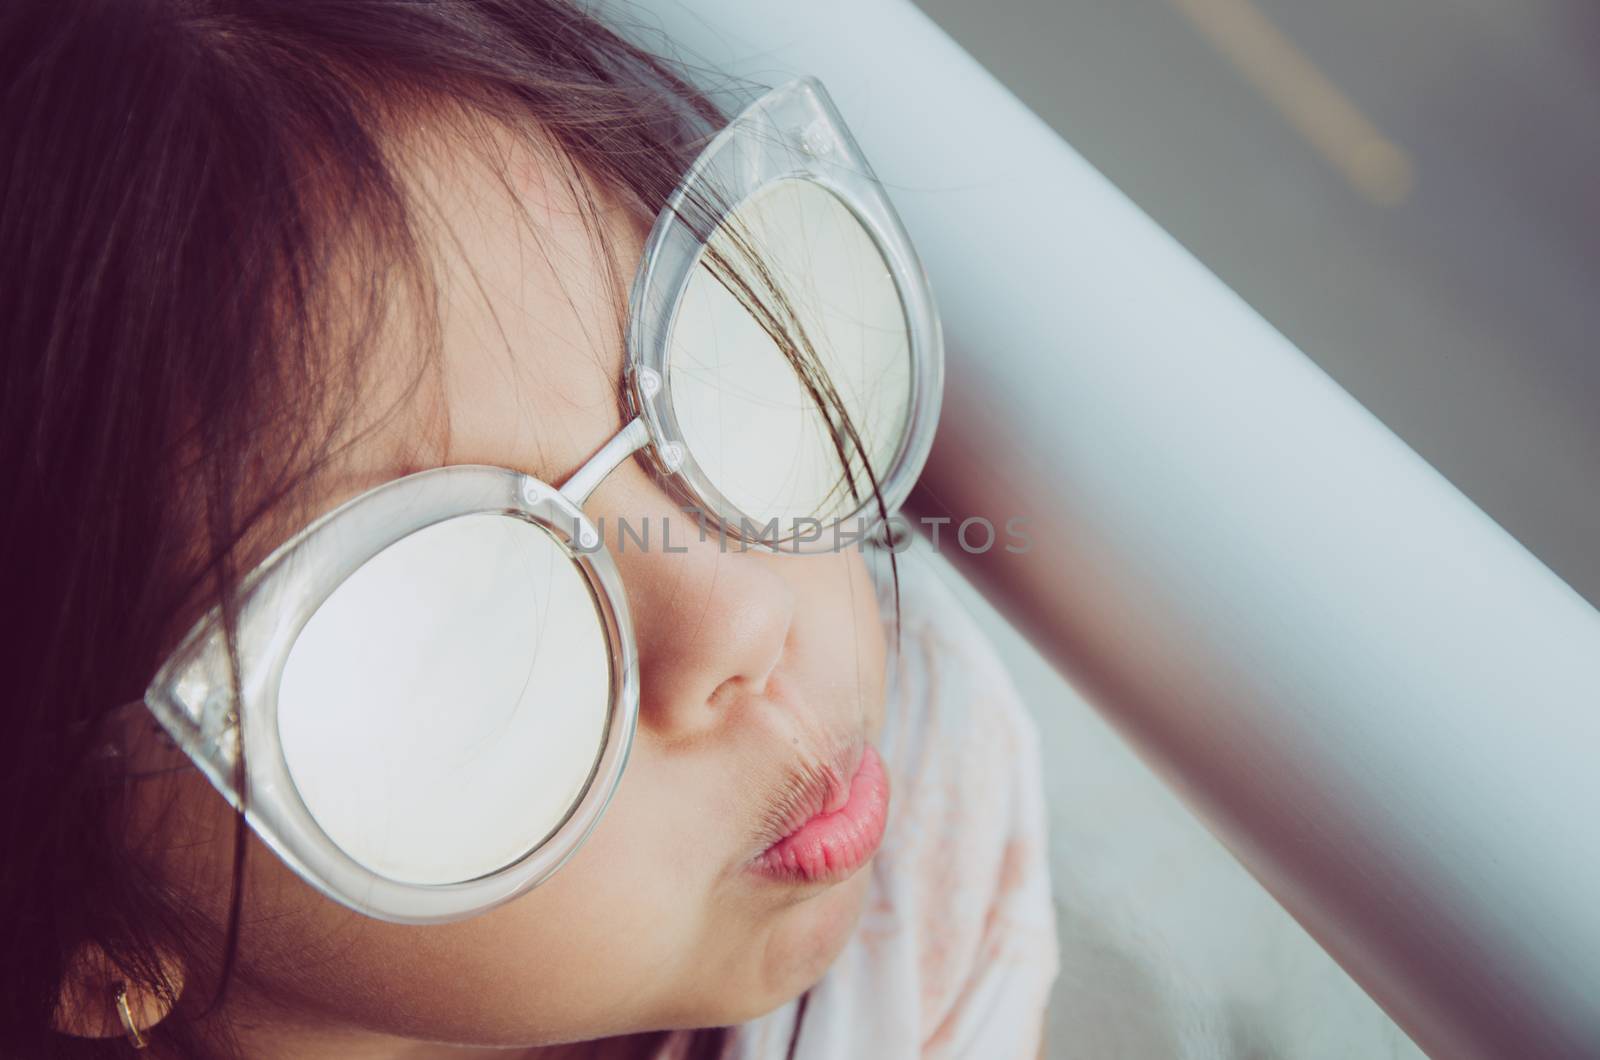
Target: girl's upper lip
[839,786]
[814,786]
[831,846]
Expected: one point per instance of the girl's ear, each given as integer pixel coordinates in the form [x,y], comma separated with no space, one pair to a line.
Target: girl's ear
[98,1001]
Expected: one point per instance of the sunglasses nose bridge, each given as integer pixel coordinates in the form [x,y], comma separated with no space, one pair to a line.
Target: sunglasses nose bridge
[585,480]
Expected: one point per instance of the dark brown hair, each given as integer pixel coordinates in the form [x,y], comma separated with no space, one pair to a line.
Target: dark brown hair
[183,183]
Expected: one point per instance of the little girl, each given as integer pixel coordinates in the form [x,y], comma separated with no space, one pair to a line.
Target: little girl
[427,429]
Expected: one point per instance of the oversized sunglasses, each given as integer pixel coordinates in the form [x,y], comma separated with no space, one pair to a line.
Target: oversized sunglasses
[438,680]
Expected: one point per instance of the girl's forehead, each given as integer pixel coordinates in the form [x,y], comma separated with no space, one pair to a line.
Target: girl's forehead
[530,264]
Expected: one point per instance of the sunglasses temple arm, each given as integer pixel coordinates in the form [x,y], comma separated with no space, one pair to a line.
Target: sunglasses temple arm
[629,440]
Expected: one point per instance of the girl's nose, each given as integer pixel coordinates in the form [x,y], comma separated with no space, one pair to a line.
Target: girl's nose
[711,619]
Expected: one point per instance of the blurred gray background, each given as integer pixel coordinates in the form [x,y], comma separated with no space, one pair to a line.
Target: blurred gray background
[1411,193]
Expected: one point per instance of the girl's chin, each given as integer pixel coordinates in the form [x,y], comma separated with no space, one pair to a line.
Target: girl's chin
[805,940]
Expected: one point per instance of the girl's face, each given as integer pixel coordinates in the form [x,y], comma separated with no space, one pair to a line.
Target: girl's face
[757,670]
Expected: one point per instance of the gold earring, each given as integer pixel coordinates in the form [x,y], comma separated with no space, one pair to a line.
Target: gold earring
[126,1015]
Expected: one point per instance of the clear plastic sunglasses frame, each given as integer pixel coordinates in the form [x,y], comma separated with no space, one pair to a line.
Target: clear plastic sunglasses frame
[793,131]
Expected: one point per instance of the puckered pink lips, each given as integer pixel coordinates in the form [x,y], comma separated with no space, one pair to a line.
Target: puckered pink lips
[837,832]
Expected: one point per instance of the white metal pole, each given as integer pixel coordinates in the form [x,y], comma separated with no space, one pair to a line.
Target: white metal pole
[1385,705]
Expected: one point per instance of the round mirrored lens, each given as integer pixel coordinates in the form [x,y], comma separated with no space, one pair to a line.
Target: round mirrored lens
[757,425]
[442,712]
